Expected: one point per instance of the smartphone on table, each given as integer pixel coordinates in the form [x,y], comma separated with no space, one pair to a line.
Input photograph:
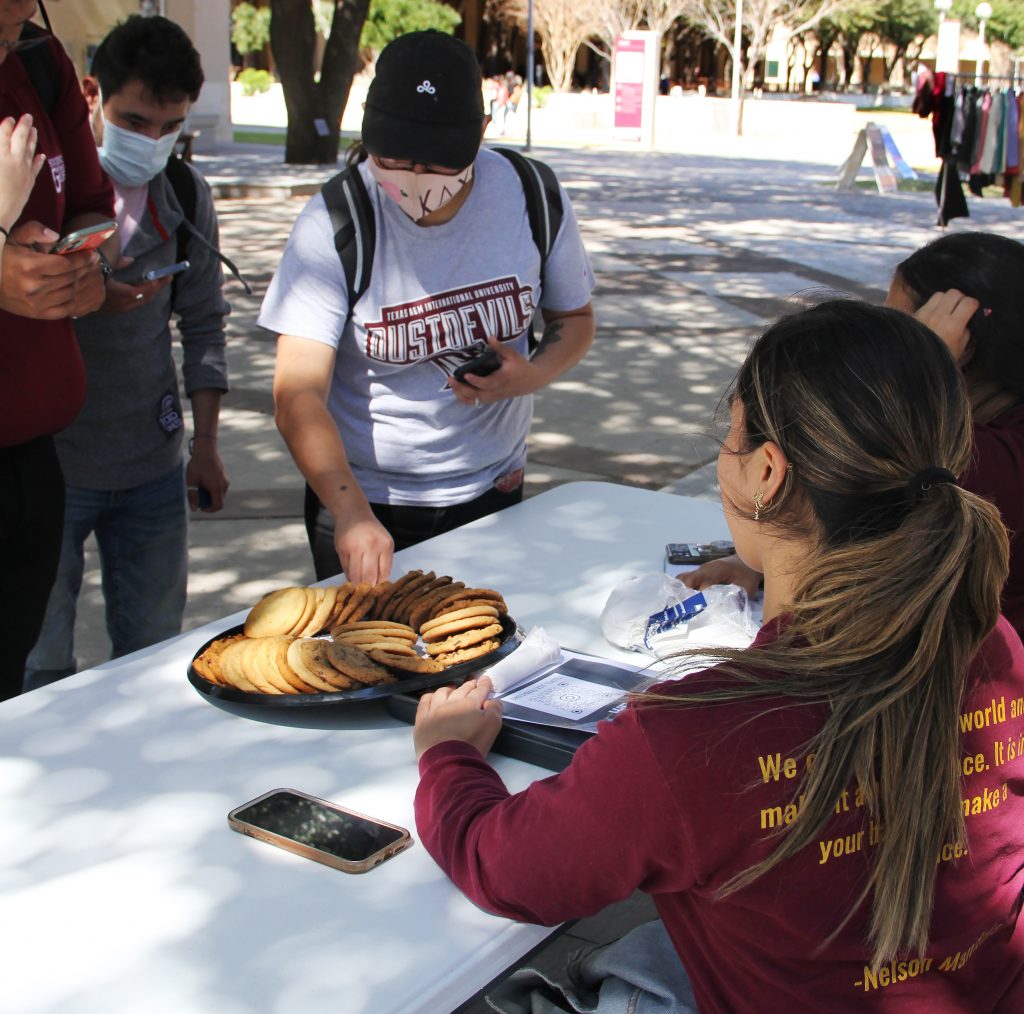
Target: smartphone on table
[481,366]
[319,830]
[172,269]
[696,553]
[85,239]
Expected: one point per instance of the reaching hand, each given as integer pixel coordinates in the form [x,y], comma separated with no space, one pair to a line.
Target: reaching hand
[728,570]
[462,713]
[365,549]
[19,167]
[948,314]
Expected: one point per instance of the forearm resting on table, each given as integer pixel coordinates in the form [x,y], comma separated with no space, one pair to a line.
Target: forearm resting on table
[567,337]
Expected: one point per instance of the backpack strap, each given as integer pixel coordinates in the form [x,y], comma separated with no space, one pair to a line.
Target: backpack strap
[544,208]
[543,200]
[355,229]
[41,67]
[184,186]
[183,183]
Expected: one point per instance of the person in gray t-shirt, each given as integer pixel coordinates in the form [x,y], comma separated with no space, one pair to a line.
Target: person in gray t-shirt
[394,448]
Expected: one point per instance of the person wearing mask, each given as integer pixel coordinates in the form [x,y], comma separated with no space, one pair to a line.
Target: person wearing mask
[42,383]
[122,456]
[393,447]
[832,818]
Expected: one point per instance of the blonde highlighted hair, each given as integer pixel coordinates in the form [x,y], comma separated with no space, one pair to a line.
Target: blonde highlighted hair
[901,588]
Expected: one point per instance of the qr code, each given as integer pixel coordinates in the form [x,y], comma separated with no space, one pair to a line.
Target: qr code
[565,695]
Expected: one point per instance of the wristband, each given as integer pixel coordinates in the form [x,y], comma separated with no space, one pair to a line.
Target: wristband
[105,267]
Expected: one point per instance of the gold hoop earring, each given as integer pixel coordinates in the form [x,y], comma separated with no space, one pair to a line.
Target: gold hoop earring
[758,506]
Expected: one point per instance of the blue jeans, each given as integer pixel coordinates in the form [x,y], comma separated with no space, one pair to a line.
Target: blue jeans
[640,973]
[143,541]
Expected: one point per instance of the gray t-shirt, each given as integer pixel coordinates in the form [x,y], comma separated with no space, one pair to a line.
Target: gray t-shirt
[435,294]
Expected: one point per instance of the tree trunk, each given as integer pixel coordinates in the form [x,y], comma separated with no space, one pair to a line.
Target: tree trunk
[849,61]
[315,108]
[559,63]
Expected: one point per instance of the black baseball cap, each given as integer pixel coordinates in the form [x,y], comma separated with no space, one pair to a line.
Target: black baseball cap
[425,103]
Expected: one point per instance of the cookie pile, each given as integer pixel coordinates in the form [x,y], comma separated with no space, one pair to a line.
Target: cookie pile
[287,665]
[375,632]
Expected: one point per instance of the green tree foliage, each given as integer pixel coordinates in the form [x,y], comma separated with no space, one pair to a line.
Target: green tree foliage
[255,82]
[906,24]
[390,18]
[846,27]
[250,28]
[1006,23]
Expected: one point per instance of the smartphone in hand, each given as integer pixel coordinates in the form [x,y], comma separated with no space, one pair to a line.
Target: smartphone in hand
[85,239]
[172,269]
[481,366]
[319,830]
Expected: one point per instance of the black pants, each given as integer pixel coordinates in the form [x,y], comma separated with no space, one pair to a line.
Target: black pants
[31,530]
[406,525]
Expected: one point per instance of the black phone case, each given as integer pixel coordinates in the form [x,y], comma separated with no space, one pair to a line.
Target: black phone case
[675,558]
[483,365]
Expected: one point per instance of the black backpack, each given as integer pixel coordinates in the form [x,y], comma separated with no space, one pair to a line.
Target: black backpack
[355,232]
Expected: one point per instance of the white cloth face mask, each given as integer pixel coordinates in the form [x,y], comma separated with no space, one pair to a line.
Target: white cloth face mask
[133,159]
[418,194]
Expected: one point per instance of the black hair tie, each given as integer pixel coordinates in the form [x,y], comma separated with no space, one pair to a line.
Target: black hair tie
[919,484]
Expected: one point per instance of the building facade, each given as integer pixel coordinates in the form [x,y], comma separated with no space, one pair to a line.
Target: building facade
[82,24]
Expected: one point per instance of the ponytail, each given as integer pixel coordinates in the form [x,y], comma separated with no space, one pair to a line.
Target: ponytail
[901,589]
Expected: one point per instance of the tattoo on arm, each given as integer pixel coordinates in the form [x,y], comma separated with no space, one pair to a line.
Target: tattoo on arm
[552,336]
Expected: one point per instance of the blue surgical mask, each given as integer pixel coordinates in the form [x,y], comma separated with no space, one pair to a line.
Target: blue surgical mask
[133,159]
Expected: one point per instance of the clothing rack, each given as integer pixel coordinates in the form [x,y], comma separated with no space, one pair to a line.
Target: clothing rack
[948,193]
[1017,79]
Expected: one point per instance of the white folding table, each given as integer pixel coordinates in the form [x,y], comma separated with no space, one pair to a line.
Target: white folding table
[122,889]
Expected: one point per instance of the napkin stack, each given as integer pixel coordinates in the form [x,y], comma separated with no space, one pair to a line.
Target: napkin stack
[538,650]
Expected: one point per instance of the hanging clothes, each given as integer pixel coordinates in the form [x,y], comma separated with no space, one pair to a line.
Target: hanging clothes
[1016,186]
[1011,133]
[979,134]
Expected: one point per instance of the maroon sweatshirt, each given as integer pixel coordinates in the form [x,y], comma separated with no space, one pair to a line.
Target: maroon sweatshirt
[42,379]
[675,801]
[997,473]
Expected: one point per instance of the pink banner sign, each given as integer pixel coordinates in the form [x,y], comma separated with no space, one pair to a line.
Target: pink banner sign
[629,83]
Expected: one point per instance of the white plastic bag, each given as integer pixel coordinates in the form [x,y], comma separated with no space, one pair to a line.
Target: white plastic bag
[657,614]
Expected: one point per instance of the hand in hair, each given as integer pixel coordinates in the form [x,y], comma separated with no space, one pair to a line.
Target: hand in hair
[948,314]
[728,570]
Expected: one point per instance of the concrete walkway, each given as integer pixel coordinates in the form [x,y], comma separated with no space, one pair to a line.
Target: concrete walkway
[693,255]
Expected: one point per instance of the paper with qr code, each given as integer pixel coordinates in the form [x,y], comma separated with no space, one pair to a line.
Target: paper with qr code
[564,695]
[576,693]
